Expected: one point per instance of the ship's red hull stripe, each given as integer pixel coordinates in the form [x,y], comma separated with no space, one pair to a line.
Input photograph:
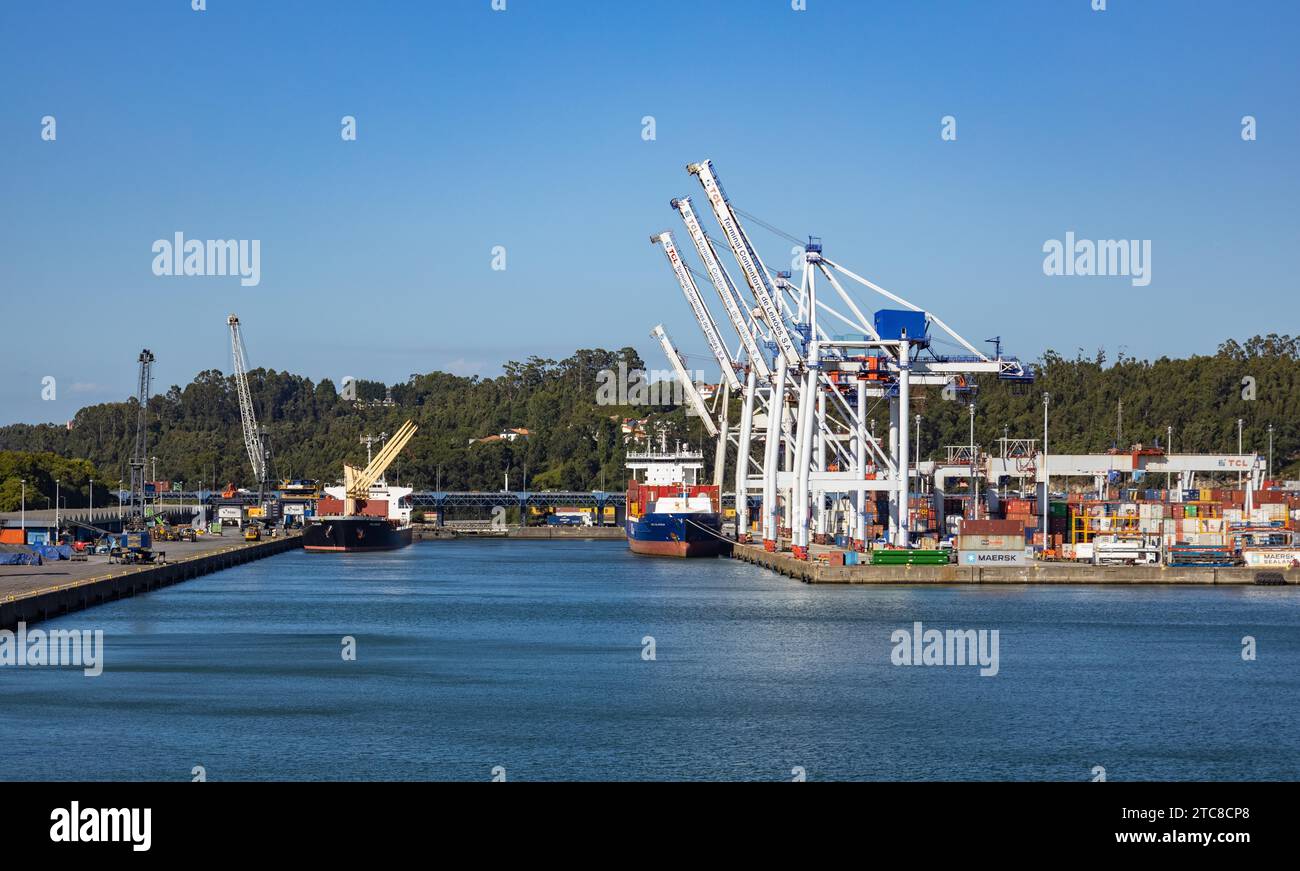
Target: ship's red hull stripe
[322,548]
[675,548]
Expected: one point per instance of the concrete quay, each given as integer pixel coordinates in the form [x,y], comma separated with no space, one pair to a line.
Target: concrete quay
[33,593]
[813,572]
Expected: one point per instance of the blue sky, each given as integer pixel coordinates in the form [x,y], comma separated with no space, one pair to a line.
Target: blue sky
[523,129]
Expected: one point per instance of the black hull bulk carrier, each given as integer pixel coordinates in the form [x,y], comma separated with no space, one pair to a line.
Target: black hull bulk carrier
[364,514]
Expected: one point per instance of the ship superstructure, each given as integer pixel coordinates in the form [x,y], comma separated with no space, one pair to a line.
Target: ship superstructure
[669,512]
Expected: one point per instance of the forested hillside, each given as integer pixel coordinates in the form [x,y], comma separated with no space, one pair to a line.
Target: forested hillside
[195,433]
[575,443]
[1201,397]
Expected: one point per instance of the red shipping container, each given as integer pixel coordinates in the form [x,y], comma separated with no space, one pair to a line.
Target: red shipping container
[373,507]
[992,527]
[328,505]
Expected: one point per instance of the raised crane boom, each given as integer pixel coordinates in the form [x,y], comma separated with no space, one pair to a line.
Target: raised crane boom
[252,436]
[726,289]
[684,377]
[357,482]
[702,315]
[747,257]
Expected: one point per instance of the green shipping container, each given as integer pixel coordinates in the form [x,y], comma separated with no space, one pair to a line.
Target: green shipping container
[909,557]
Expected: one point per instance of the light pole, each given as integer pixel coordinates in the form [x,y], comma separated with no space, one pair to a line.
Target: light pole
[1270,452]
[1047,398]
[917,455]
[56,505]
[1169,450]
[23,521]
[974,497]
[1006,440]
[1238,452]
[92,500]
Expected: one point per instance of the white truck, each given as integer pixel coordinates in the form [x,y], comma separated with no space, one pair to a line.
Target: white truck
[1126,550]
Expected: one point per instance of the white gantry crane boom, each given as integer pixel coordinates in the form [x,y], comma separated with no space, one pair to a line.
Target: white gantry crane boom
[684,377]
[818,449]
[726,290]
[710,329]
[750,263]
[252,436]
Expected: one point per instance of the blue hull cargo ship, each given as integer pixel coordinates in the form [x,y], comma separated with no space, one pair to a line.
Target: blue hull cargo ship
[668,512]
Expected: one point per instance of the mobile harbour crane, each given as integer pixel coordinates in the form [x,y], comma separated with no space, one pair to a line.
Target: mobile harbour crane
[259,454]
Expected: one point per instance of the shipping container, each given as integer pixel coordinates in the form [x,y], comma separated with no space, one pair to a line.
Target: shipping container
[990,542]
[992,527]
[1010,557]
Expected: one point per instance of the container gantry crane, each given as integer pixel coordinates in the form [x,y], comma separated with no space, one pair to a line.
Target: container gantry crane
[817,387]
[701,311]
[726,362]
[759,375]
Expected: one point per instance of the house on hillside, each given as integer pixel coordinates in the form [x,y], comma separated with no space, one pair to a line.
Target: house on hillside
[634,428]
[507,435]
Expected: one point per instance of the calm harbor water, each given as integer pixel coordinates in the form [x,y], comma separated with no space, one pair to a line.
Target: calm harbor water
[529,656]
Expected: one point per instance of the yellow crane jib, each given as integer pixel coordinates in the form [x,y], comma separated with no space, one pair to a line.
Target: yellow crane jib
[357,482]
